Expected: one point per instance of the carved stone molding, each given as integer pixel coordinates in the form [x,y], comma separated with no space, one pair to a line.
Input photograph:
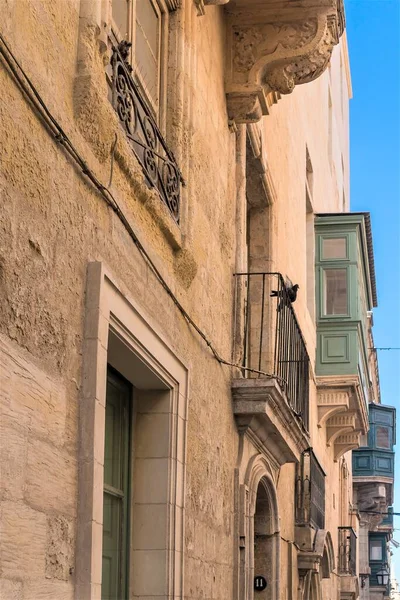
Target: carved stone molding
[261,411]
[272,47]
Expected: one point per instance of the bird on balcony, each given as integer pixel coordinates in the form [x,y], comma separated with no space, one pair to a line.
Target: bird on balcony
[287,295]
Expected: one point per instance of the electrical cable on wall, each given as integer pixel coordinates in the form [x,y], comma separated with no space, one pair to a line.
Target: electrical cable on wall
[59,134]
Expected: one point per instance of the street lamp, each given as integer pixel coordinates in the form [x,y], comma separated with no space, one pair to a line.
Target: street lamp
[382,576]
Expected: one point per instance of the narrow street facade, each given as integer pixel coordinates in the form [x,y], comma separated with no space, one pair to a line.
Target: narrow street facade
[186,304]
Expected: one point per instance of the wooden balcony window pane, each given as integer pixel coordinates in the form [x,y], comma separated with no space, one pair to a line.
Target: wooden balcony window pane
[375,550]
[335,292]
[334,248]
[382,437]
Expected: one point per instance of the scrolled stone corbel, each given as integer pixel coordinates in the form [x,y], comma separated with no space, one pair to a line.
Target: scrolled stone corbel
[273,48]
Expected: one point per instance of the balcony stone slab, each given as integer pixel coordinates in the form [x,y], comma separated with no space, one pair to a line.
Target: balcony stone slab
[349,587]
[272,47]
[261,410]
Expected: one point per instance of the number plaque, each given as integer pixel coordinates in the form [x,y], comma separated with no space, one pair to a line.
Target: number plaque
[260,583]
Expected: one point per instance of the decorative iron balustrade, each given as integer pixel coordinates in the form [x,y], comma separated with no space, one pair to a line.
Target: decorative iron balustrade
[310,491]
[157,160]
[269,336]
[347,551]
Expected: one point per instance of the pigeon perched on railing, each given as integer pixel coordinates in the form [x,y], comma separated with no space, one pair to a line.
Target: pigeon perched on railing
[287,295]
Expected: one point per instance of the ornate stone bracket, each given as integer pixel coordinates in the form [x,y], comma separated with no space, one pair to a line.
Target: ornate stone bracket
[272,47]
[342,409]
[346,442]
[331,403]
[338,425]
[374,495]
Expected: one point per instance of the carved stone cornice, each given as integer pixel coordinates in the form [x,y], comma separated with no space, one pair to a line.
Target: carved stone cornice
[274,46]
[261,411]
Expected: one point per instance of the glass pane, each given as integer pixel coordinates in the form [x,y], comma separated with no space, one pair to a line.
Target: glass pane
[382,437]
[148,21]
[120,14]
[335,292]
[375,550]
[112,548]
[147,47]
[113,458]
[334,248]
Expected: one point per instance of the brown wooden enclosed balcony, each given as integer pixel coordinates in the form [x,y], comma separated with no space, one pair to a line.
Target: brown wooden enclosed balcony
[347,551]
[347,564]
[310,492]
[272,393]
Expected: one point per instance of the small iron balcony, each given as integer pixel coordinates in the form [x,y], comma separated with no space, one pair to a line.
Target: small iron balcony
[347,551]
[310,491]
[269,338]
[157,161]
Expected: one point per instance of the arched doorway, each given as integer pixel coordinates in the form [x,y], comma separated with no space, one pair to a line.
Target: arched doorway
[266,542]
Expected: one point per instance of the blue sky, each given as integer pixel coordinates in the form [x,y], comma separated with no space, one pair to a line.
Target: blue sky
[373,30]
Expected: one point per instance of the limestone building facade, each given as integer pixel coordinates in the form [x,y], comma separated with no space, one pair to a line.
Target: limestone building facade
[185,301]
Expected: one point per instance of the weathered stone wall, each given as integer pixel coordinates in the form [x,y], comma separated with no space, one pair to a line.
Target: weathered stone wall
[53,223]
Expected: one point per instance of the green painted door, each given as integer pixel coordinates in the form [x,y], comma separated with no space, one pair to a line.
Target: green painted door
[116,488]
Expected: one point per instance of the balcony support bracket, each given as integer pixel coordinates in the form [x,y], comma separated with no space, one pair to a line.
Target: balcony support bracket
[275,46]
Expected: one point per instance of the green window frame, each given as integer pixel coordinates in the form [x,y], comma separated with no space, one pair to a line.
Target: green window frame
[116,489]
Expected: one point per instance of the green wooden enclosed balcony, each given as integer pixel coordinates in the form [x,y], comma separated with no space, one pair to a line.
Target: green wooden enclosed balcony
[345,294]
[345,297]
[377,459]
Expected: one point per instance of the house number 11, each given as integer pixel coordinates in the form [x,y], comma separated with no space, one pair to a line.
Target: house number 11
[260,583]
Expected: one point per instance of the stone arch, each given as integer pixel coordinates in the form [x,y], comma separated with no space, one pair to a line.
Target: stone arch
[261,550]
[328,555]
[323,547]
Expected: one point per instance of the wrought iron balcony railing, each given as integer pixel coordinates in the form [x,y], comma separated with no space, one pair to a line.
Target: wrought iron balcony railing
[269,337]
[310,491]
[157,160]
[347,551]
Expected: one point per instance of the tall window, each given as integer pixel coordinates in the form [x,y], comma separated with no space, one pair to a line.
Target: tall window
[141,22]
[116,488]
